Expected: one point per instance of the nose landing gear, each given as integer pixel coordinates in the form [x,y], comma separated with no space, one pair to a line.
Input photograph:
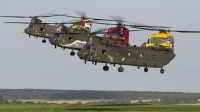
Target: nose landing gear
[162,71]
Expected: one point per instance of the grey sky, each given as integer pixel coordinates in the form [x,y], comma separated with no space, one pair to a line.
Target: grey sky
[28,63]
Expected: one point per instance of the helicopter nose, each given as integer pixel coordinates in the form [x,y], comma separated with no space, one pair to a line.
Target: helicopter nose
[26,30]
[79,53]
[53,40]
[61,40]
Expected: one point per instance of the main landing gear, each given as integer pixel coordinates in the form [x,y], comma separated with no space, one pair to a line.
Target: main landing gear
[145,69]
[105,68]
[120,69]
[43,41]
[72,53]
[162,71]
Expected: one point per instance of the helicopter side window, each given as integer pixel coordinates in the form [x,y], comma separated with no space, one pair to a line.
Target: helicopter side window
[170,40]
[158,40]
[104,51]
[70,38]
[41,29]
[161,40]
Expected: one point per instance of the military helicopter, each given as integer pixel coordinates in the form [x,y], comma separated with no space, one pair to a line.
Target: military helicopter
[118,35]
[71,37]
[36,28]
[156,53]
[121,31]
[76,40]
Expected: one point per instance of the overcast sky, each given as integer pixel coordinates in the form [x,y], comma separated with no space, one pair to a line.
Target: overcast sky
[25,62]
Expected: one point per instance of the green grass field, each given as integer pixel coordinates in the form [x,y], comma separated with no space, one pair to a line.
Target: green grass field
[94,108]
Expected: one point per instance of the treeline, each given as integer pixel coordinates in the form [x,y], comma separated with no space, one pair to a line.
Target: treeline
[6,101]
[166,97]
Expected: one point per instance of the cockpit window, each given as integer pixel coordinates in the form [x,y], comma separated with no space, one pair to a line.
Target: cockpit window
[30,26]
[56,35]
[79,24]
[88,47]
[160,40]
[84,47]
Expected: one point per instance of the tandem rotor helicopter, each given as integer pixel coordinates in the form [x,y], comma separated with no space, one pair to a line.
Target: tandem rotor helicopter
[71,37]
[113,47]
[157,52]
[44,30]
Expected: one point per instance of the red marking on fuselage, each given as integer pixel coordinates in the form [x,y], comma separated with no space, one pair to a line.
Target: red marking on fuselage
[117,30]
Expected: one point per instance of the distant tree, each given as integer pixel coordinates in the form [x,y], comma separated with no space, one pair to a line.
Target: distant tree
[4,101]
[16,102]
[29,102]
[79,102]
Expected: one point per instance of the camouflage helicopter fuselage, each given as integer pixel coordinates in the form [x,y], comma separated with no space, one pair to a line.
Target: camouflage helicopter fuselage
[143,56]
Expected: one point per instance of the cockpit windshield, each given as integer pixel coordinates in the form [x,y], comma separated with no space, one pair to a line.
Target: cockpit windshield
[30,26]
[160,40]
[88,47]
[79,24]
[56,35]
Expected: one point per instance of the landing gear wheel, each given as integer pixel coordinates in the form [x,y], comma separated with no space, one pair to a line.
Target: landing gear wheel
[43,41]
[106,68]
[146,69]
[162,71]
[120,69]
[72,53]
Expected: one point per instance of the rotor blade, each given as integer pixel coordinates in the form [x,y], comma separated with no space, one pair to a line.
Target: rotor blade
[28,23]
[184,31]
[100,30]
[134,26]
[82,14]
[19,22]
[40,23]
[179,31]
[102,23]
[118,19]
[136,30]
[42,15]
[17,16]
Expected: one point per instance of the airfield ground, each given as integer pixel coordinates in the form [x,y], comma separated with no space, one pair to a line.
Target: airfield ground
[94,108]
